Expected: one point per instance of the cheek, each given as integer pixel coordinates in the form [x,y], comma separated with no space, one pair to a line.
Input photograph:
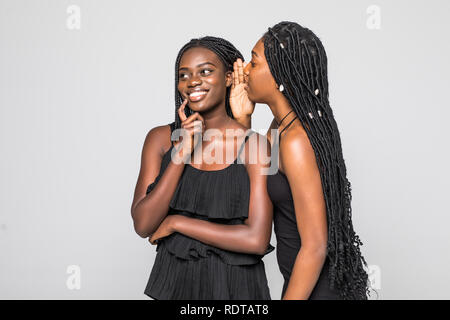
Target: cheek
[213,81]
[181,89]
[217,85]
[262,81]
[262,85]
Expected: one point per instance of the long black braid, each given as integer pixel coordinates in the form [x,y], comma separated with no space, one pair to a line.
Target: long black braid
[297,60]
[227,53]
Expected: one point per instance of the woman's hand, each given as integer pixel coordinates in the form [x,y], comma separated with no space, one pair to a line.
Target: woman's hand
[193,125]
[240,104]
[166,228]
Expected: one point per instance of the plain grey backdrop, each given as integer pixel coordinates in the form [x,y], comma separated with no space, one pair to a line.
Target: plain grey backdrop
[76,105]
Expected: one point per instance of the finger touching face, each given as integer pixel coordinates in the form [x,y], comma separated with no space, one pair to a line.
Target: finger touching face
[202,79]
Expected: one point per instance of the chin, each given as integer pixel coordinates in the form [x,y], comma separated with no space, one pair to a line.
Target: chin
[252,97]
[198,106]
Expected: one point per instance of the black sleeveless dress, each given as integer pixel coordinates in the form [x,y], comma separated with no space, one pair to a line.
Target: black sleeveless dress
[186,268]
[288,237]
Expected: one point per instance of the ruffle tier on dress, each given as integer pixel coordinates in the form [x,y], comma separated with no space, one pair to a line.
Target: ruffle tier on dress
[186,268]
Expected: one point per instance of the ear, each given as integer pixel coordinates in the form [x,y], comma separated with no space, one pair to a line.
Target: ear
[229,78]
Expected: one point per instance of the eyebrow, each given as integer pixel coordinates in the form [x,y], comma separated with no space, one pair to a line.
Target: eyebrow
[253,52]
[201,64]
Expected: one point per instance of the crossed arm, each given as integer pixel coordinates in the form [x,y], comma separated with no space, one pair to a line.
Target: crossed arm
[149,210]
[251,237]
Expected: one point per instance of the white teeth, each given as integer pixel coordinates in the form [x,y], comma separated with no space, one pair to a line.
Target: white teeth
[197,93]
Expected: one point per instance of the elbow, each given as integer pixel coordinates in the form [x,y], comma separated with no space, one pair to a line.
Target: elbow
[259,245]
[141,224]
[137,223]
[141,230]
[261,250]
[319,251]
[143,235]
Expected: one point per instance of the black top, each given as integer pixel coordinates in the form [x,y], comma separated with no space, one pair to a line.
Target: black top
[287,235]
[220,196]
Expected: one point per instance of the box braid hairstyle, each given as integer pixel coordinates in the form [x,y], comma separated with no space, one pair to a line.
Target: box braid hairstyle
[297,60]
[227,54]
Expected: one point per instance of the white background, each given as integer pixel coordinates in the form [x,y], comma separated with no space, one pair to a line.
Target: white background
[76,106]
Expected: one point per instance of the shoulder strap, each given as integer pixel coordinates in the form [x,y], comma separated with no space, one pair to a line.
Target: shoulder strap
[279,135]
[243,143]
[172,128]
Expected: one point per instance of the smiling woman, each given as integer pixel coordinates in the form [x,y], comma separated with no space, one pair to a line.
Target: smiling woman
[213,223]
[197,93]
[210,69]
[197,80]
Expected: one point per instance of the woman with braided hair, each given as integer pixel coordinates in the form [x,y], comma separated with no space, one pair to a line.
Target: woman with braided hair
[179,205]
[317,249]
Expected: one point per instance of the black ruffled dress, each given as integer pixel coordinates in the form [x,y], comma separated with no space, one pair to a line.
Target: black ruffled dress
[186,268]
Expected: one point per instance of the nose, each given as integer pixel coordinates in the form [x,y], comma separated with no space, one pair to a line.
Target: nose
[194,81]
[247,69]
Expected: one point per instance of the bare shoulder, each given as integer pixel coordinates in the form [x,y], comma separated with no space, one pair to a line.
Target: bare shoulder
[294,137]
[158,138]
[296,150]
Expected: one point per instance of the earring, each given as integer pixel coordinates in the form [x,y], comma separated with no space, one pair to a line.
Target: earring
[320,113]
[281,88]
[316,92]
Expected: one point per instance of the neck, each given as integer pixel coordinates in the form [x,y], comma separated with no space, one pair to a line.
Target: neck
[216,118]
[280,108]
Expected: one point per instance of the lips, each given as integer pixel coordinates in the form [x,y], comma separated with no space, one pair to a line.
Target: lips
[197,95]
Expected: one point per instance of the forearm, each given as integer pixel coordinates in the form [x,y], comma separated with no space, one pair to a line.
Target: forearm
[153,208]
[305,273]
[245,121]
[238,238]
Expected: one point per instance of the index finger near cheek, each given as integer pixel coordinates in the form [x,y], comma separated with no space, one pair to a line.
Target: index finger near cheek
[192,117]
[198,123]
[200,118]
[181,113]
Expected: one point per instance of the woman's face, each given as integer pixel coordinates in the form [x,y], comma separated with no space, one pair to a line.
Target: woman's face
[202,79]
[261,86]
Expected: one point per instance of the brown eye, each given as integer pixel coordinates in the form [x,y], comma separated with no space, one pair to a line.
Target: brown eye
[207,71]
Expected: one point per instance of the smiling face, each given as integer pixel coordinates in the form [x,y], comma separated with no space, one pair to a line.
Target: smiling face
[202,79]
[261,86]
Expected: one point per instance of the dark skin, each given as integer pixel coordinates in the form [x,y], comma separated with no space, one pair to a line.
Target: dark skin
[201,68]
[297,162]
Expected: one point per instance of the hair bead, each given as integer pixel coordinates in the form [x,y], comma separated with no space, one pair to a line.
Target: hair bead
[304,63]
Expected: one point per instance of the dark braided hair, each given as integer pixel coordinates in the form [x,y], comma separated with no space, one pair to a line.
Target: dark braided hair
[297,60]
[227,54]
